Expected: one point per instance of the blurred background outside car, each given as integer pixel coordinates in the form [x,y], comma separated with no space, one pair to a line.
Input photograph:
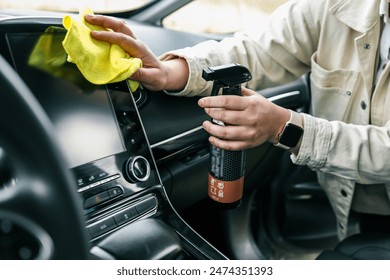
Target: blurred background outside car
[199,16]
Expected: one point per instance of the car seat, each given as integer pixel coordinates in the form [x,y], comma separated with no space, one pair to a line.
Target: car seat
[361,246]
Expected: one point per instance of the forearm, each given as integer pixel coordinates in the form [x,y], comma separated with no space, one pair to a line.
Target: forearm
[270,57]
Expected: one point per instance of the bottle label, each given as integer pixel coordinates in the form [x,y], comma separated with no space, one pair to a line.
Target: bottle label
[225,191]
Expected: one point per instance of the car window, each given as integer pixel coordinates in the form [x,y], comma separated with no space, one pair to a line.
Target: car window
[221,16]
[99,6]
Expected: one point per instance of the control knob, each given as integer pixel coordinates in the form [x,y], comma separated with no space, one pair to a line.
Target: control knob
[137,169]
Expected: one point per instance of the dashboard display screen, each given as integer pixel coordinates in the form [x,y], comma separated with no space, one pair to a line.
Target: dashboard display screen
[82,113]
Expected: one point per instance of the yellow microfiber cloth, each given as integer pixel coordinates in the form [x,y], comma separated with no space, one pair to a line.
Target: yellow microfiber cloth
[99,62]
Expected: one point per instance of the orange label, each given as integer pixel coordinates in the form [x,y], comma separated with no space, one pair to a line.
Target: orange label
[225,191]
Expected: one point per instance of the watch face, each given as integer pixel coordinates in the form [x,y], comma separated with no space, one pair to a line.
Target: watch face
[291,135]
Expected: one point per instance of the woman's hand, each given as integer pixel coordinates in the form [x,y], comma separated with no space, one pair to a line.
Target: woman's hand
[252,120]
[154,74]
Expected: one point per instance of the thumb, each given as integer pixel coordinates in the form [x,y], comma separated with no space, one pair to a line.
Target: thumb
[137,75]
[247,92]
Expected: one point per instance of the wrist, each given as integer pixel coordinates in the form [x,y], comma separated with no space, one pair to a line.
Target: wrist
[289,137]
[284,116]
[176,73]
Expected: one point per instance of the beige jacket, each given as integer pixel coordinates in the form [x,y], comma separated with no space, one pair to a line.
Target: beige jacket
[346,136]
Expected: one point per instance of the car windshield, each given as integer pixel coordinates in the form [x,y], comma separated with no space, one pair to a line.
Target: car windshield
[101,6]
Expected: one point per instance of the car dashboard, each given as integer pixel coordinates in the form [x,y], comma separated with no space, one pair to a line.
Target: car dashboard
[102,136]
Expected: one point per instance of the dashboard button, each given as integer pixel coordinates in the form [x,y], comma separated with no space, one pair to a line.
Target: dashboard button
[96,199]
[146,205]
[114,192]
[125,216]
[102,227]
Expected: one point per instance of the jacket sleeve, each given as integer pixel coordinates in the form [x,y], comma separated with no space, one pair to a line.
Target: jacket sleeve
[280,52]
[355,152]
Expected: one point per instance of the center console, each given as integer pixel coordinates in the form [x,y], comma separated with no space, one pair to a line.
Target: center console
[102,137]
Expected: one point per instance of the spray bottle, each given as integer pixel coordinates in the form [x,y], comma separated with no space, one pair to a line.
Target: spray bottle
[226,168]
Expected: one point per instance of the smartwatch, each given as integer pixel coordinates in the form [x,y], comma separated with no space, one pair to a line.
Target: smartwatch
[291,133]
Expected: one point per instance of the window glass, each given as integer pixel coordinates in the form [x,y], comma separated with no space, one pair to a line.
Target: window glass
[221,16]
[101,6]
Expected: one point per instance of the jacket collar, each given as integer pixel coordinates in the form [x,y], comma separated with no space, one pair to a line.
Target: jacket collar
[360,15]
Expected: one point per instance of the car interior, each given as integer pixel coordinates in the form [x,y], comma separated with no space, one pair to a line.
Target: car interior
[103,172]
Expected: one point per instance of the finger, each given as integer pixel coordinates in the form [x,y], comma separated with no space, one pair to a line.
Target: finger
[229,145]
[232,102]
[127,43]
[247,92]
[112,23]
[227,116]
[229,132]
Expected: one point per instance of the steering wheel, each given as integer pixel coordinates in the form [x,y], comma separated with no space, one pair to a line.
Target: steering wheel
[40,210]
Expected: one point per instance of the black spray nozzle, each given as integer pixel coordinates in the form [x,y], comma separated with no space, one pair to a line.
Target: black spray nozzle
[229,75]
